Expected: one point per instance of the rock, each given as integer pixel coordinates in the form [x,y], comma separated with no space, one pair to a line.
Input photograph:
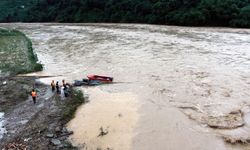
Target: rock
[64,130]
[27,139]
[23,122]
[26,87]
[15,145]
[58,129]
[40,105]
[61,146]
[42,130]
[66,133]
[5,82]
[67,144]
[55,141]
[62,138]
[49,135]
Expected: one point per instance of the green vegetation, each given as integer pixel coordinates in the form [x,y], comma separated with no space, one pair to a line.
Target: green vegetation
[16,53]
[234,13]
[70,106]
[17,8]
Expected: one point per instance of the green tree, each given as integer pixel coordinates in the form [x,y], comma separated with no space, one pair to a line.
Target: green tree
[243,19]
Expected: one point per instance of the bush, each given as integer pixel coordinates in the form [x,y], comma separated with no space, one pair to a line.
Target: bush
[71,104]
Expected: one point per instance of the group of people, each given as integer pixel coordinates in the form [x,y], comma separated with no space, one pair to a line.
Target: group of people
[63,89]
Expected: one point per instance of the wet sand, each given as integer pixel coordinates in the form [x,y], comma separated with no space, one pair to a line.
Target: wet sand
[187,83]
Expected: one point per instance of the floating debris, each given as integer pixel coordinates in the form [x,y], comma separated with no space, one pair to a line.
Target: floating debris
[55,141]
[103,132]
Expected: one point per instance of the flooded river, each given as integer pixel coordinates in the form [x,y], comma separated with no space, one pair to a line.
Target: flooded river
[175,87]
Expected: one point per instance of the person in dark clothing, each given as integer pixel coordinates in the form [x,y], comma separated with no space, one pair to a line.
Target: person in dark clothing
[33,95]
[66,91]
[63,83]
[57,88]
[53,86]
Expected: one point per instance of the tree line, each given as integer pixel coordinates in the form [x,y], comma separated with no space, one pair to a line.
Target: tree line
[234,13]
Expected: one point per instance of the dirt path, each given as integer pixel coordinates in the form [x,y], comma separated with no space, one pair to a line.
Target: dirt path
[25,112]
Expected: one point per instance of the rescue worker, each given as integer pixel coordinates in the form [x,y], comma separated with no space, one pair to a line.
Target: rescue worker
[62,93]
[66,91]
[57,87]
[63,83]
[33,95]
[53,86]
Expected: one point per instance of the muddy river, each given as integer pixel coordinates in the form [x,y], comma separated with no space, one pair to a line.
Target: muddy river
[175,87]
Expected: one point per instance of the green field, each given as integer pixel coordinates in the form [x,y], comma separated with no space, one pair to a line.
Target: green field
[16,53]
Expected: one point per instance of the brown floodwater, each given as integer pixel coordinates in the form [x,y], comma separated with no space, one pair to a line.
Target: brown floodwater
[176,87]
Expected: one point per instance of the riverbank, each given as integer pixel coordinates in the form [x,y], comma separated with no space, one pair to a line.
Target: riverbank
[24,125]
[16,56]
[41,125]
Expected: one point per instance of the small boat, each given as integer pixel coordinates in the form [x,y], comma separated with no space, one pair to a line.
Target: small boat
[103,79]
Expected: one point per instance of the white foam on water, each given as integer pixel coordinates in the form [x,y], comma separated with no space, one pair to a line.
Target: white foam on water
[2,129]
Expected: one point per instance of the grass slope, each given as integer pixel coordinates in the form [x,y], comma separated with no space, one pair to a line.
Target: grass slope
[16,53]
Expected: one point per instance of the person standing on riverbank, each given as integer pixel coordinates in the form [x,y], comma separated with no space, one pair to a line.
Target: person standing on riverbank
[33,95]
[62,93]
[63,83]
[57,87]
[53,86]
